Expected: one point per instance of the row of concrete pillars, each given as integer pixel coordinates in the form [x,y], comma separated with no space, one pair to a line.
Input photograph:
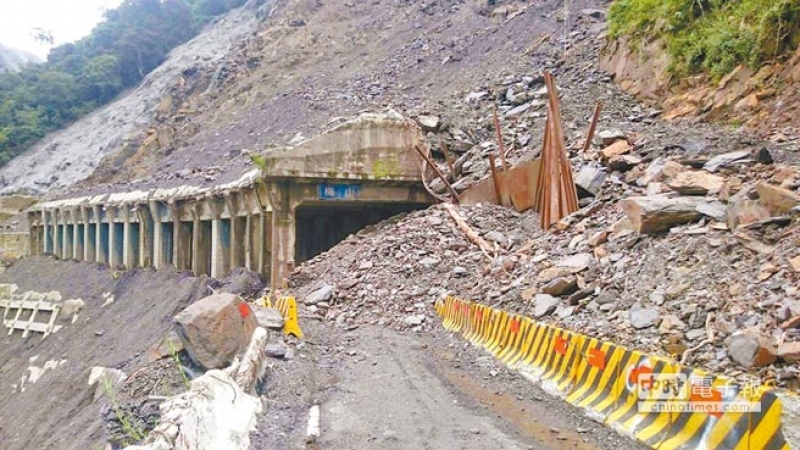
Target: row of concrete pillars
[206,247]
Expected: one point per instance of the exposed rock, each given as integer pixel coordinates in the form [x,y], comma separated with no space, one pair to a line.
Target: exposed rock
[762,156]
[751,349]
[72,306]
[276,349]
[243,282]
[742,211]
[495,236]
[544,305]
[716,210]
[323,294]
[591,179]
[269,318]
[670,324]
[623,163]
[577,262]
[641,317]
[560,286]
[429,123]
[789,352]
[215,329]
[616,149]
[725,160]
[169,346]
[414,320]
[696,183]
[776,199]
[656,214]
[608,137]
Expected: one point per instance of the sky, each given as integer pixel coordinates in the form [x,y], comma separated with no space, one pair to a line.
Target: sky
[67,20]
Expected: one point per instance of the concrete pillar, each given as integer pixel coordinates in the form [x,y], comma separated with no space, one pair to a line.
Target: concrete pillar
[220,240]
[46,223]
[66,237]
[57,244]
[283,233]
[181,240]
[145,239]
[89,240]
[77,235]
[248,241]
[114,255]
[158,238]
[100,238]
[238,233]
[128,249]
[201,242]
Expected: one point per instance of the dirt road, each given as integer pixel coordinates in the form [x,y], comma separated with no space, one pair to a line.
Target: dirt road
[380,389]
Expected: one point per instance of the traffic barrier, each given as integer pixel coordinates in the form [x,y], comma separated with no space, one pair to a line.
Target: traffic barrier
[651,399]
[288,309]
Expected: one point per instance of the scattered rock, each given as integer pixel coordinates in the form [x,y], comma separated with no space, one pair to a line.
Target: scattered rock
[789,352]
[544,305]
[776,199]
[269,318]
[657,214]
[215,329]
[608,137]
[696,183]
[725,160]
[751,349]
[276,349]
[591,179]
[641,317]
[560,286]
[323,294]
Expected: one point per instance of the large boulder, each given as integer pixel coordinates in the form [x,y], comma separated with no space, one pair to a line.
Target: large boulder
[215,329]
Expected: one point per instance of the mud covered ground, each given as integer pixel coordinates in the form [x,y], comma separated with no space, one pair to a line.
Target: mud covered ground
[59,412]
[382,389]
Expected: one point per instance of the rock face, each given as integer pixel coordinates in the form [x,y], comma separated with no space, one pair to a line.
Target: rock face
[215,329]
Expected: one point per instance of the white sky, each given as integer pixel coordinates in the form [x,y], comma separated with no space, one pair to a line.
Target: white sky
[67,20]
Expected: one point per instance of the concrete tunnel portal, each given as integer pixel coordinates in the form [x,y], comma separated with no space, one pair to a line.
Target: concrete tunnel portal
[321,226]
[299,203]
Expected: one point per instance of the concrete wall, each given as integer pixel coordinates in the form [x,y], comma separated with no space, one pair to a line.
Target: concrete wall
[14,246]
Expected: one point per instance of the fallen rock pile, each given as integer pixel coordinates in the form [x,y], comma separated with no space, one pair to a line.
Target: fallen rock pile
[682,254]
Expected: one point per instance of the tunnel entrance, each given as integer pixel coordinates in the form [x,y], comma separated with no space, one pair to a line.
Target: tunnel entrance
[320,227]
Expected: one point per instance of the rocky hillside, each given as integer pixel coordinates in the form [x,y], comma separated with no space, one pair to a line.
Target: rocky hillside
[737,63]
[12,59]
[73,153]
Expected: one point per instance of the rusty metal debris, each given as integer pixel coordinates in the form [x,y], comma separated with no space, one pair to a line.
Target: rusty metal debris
[556,196]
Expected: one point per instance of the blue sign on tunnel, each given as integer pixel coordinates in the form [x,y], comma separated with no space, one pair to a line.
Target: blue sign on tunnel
[338,191]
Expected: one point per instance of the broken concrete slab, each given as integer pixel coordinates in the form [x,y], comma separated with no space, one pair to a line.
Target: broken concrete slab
[215,329]
[657,214]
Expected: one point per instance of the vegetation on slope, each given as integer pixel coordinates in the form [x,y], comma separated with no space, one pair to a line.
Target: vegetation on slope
[711,36]
[132,40]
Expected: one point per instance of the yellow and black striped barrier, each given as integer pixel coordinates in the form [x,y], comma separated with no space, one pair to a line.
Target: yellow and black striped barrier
[288,309]
[652,399]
